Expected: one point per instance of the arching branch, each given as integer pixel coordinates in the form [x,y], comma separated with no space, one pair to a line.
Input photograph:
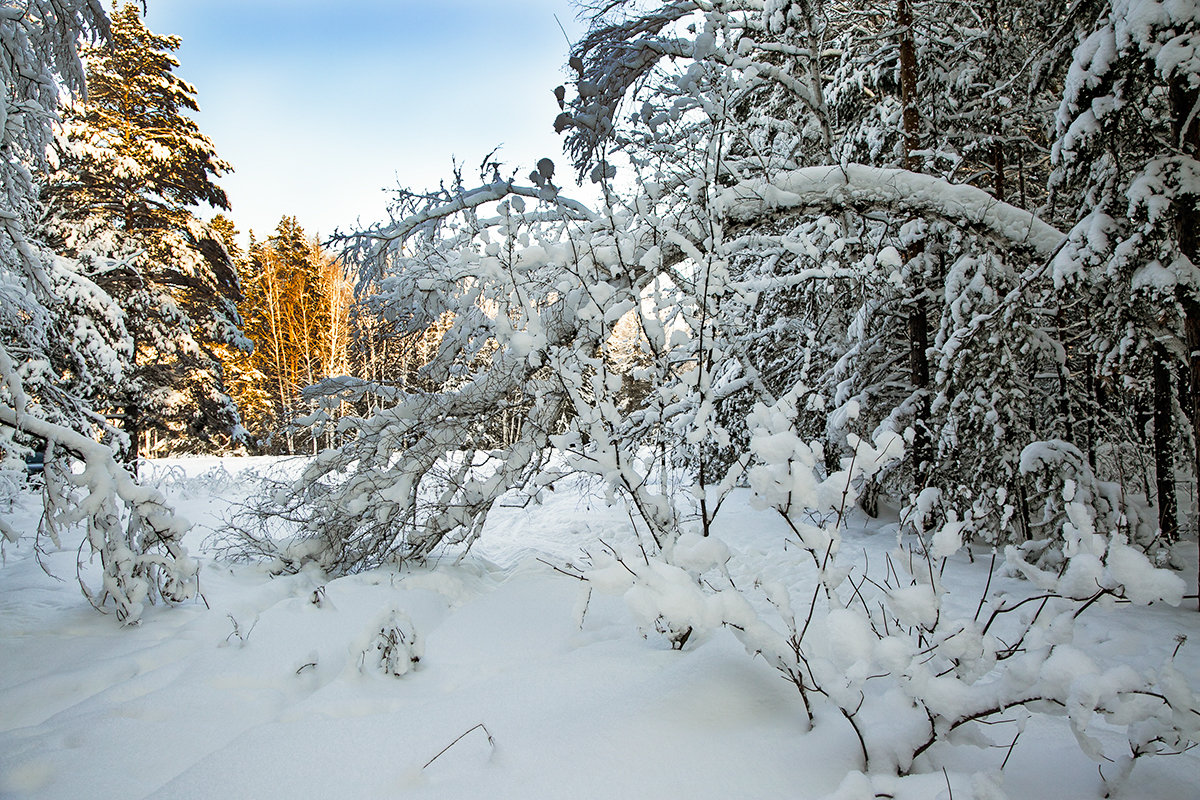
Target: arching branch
[861,188]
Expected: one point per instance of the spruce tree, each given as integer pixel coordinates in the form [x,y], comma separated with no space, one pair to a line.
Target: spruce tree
[248,385]
[132,166]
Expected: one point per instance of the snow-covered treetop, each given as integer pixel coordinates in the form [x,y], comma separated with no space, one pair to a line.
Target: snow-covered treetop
[39,60]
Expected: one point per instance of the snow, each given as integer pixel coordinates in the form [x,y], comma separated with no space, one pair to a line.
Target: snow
[1131,569]
[949,538]
[700,553]
[279,689]
[862,185]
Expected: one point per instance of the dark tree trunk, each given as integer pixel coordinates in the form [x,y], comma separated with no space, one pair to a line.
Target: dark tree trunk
[1024,517]
[908,85]
[918,319]
[1021,177]
[1164,460]
[1186,127]
[1064,384]
[998,171]
[1191,327]
[1091,416]
[1143,415]
[918,353]
[131,424]
[868,501]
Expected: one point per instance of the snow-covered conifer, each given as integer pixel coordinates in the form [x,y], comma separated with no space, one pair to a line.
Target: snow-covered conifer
[65,338]
[130,168]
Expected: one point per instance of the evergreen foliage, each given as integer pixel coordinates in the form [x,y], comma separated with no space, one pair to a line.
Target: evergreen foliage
[131,167]
[61,332]
[65,338]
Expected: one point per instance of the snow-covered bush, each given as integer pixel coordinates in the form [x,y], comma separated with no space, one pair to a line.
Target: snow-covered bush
[130,526]
[910,667]
[811,326]
[392,647]
[1059,478]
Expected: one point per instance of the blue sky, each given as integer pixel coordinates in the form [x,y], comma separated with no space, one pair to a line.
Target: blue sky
[321,106]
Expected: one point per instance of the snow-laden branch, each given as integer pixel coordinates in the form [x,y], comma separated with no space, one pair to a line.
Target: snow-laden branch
[29,259]
[493,192]
[859,187]
[127,523]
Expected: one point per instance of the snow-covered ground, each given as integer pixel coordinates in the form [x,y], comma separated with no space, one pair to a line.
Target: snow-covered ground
[266,692]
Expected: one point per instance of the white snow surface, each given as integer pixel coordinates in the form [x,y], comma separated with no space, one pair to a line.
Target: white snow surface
[859,184]
[275,689]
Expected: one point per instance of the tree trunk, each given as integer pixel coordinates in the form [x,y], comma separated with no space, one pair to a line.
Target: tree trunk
[1186,127]
[1091,416]
[1064,386]
[918,355]
[918,318]
[1164,461]
[868,501]
[908,84]
[1142,417]
[131,424]
[998,171]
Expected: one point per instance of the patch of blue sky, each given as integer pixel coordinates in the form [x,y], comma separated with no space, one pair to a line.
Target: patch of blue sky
[322,106]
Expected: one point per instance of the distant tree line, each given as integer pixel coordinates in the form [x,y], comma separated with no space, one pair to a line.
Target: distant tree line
[299,309]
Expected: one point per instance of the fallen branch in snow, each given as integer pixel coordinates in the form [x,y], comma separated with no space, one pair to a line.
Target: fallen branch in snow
[462,736]
[563,571]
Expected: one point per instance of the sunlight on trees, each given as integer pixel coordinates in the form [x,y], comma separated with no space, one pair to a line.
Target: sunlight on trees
[931,261]
[130,168]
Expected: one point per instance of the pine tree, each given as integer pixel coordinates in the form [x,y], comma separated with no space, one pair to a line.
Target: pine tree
[132,166]
[64,338]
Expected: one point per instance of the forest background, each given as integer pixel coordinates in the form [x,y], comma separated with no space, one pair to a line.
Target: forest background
[934,263]
[894,304]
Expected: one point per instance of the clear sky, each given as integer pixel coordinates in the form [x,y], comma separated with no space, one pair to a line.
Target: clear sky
[321,106]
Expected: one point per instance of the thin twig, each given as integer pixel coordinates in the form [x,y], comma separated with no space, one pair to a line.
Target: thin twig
[987,586]
[563,571]
[1010,751]
[617,556]
[461,736]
